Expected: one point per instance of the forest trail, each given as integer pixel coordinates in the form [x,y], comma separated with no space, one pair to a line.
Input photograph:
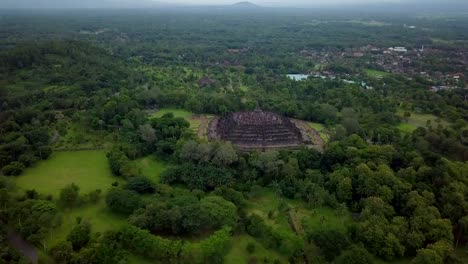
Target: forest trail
[21,245]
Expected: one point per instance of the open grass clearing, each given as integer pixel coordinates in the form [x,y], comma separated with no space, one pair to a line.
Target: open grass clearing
[98,215]
[320,128]
[419,120]
[405,127]
[78,137]
[323,218]
[266,204]
[151,167]
[187,115]
[238,253]
[376,73]
[88,169]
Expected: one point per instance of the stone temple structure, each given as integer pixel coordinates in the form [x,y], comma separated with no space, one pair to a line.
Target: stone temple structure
[256,130]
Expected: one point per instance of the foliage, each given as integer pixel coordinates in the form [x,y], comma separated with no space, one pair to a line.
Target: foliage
[140,184]
[355,255]
[80,235]
[201,177]
[123,201]
[330,242]
[69,195]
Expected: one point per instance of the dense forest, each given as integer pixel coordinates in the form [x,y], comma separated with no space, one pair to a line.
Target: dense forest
[390,186]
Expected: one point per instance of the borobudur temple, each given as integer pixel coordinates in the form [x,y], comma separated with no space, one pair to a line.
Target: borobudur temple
[256,130]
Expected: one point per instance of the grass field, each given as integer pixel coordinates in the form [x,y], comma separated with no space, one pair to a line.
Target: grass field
[194,123]
[266,202]
[88,169]
[419,120]
[313,219]
[99,215]
[321,129]
[79,137]
[151,167]
[376,74]
[238,253]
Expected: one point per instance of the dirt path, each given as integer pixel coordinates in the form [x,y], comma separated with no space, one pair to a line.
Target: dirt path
[204,121]
[310,132]
[296,226]
[21,245]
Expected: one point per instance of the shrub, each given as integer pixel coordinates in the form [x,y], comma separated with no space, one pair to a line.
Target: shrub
[13,169]
[123,201]
[140,184]
[250,247]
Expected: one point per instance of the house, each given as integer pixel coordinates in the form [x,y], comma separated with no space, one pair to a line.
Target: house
[398,49]
[358,54]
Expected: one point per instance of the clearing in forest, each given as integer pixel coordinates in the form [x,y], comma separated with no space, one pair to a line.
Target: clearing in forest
[98,215]
[88,169]
[187,115]
[77,137]
[376,73]
[150,167]
[419,120]
[238,252]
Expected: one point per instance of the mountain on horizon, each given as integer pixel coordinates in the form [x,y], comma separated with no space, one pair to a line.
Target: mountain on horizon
[245,4]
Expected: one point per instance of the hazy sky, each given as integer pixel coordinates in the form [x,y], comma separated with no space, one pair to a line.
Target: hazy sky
[268,2]
[272,3]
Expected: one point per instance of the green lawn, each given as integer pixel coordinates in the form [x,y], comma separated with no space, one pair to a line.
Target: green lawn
[177,113]
[420,120]
[406,127]
[239,255]
[88,169]
[79,137]
[376,74]
[265,202]
[194,123]
[99,215]
[151,167]
[316,126]
[312,218]
[320,129]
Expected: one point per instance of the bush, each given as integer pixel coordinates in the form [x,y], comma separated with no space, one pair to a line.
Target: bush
[123,201]
[13,169]
[80,235]
[69,196]
[140,184]
[27,159]
[250,247]
[62,252]
[93,196]
[330,242]
[355,255]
